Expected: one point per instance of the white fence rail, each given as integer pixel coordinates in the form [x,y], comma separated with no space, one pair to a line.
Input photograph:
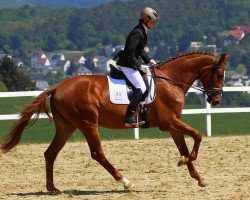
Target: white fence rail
[207,110]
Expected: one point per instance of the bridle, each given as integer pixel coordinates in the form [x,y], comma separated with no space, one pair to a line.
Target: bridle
[213,90]
[210,92]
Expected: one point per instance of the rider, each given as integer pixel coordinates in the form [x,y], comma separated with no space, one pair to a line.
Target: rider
[130,61]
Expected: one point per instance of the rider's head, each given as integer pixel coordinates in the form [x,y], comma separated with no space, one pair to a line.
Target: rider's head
[149,17]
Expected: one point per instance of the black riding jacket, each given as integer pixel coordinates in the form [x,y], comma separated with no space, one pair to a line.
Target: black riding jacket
[134,49]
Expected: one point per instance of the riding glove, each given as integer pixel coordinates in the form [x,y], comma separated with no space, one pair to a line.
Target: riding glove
[152,62]
[144,68]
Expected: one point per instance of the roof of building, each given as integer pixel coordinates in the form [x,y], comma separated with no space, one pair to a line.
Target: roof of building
[56,57]
[41,61]
[37,52]
[238,34]
[244,28]
[76,59]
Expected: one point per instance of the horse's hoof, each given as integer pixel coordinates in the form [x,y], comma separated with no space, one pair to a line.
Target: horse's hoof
[54,191]
[128,185]
[182,161]
[203,183]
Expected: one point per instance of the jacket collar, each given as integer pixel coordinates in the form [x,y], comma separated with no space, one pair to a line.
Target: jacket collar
[145,28]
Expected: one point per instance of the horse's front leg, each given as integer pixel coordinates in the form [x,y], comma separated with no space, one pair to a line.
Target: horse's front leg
[177,126]
[183,149]
[182,128]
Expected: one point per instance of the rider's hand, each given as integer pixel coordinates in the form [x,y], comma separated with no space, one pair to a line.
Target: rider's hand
[144,68]
[152,62]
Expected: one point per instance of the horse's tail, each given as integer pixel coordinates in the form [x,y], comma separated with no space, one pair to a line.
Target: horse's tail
[39,105]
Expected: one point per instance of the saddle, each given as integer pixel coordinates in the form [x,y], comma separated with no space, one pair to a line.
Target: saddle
[118,75]
[121,90]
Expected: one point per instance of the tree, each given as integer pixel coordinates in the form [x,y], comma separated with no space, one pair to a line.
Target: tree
[193,98]
[3,88]
[60,76]
[52,43]
[193,33]
[16,42]
[27,28]
[55,78]
[246,60]
[236,99]
[72,70]
[50,78]
[241,69]
[13,78]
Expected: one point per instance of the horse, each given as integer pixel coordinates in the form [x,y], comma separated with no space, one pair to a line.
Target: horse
[82,102]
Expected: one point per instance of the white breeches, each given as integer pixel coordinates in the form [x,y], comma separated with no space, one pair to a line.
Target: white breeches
[134,77]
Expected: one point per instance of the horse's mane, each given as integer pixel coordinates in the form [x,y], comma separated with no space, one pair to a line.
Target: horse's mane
[182,55]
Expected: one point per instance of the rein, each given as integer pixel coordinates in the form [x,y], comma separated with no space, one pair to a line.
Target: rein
[202,89]
[178,82]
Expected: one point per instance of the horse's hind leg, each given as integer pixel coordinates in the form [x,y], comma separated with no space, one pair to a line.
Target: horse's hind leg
[63,131]
[93,138]
[183,149]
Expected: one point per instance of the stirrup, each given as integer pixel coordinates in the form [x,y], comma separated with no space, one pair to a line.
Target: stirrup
[134,124]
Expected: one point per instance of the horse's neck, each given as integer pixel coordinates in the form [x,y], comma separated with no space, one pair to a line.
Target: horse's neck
[185,70]
[180,73]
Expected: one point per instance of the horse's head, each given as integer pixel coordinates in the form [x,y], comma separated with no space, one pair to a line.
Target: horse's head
[213,80]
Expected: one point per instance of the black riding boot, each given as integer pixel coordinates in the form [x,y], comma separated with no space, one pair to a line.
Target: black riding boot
[130,118]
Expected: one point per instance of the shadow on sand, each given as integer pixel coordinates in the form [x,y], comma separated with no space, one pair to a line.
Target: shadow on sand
[86,192]
[73,193]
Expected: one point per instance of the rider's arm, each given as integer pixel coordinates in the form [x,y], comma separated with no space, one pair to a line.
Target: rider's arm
[145,57]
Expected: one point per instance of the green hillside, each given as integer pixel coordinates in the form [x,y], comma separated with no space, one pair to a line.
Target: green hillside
[181,22]
[52,3]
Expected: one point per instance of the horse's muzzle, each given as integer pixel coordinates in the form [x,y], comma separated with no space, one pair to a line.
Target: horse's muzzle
[214,100]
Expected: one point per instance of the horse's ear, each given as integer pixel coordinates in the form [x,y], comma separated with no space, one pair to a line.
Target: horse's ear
[224,58]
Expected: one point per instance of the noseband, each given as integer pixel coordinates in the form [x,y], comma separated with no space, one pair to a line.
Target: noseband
[209,91]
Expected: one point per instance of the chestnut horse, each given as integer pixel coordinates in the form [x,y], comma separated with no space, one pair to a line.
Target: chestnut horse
[82,102]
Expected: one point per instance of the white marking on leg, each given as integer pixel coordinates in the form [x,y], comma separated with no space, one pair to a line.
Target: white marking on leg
[126,183]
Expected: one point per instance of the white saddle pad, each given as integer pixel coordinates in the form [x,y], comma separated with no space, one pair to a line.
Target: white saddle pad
[118,91]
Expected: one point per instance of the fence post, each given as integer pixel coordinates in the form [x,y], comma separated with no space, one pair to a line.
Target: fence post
[208,118]
[136,132]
